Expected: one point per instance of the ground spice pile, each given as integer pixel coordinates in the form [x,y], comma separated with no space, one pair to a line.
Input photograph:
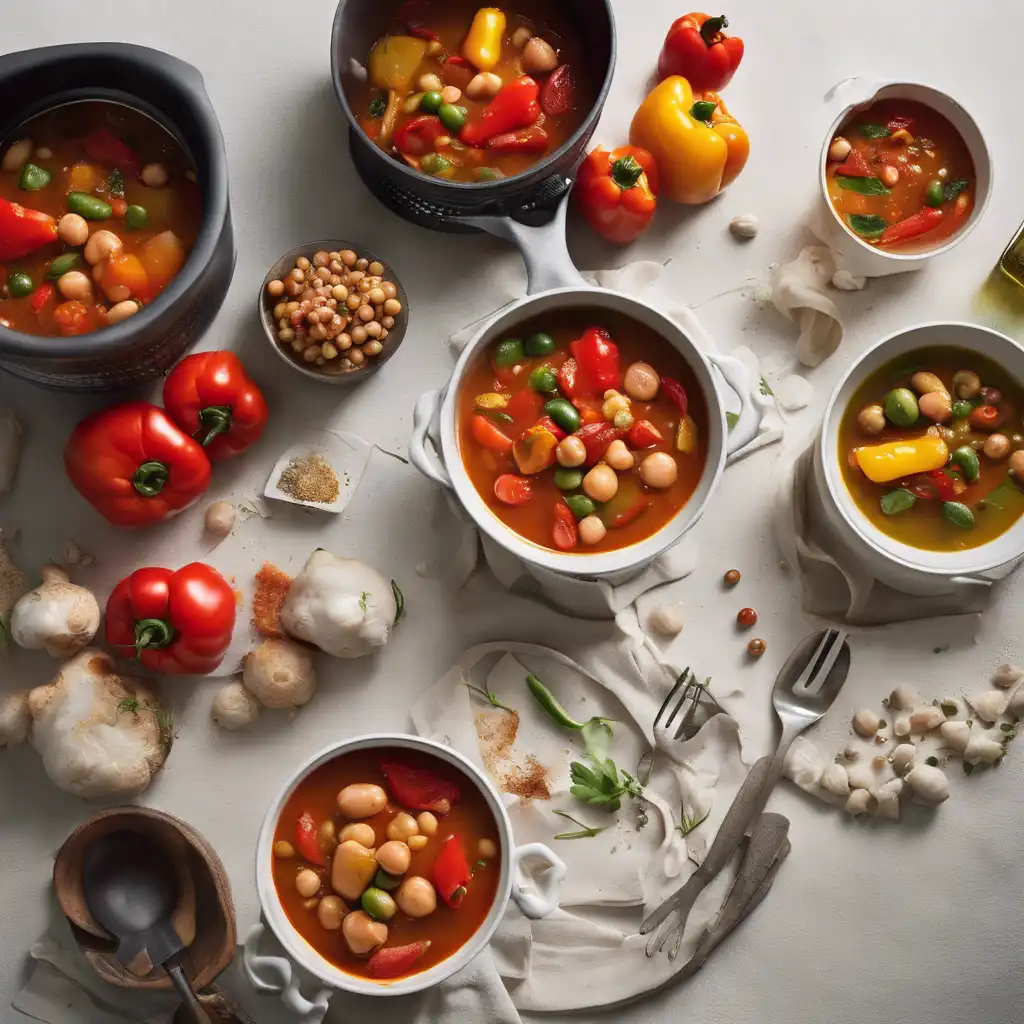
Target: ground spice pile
[310,478]
[496,732]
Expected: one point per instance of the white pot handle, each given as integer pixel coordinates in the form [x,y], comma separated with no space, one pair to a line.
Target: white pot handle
[749,422]
[273,976]
[540,904]
[421,448]
[849,92]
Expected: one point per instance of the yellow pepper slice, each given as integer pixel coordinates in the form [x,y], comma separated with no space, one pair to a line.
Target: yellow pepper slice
[686,435]
[897,459]
[393,62]
[491,400]
[482,46]
[535,450]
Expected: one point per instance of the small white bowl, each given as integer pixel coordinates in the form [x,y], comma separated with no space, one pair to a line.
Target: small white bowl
[275,975]
[860,93]
[906,568]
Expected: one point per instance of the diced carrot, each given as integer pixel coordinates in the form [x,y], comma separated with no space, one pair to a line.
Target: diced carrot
[162,257]
[485,433]
[84,177]
[125,270]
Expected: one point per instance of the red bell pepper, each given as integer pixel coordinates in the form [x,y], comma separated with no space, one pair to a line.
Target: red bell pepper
[676,394]
[486,434]
[919,223]
[855,166]
[451,871]
[596,437]
[525,406]
[616,190]
[417,136]
[597,358]
[698,49]
[417,789]
[936,485]
[514,107]
[549,424]
[510,489]
[306,840]
[210,396]
[23,230]
[41,296]
[527,140]
[644,434]
[105,148]
[568,379]
[134,465]
[564,531]
[177,623]
[559,92]
[396,960]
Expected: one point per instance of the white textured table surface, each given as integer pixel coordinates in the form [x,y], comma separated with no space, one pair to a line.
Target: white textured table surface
[866,923]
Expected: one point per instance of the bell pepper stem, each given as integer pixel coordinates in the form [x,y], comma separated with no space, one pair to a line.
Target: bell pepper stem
[626,172]
[712,29]
[213,420]
[150,478]
[152,634]
[703,111]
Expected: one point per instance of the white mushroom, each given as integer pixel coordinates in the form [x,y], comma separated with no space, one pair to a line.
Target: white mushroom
[982,749]
[859,802]
[866,723]
[340,605]
[15,719]
[234,707]
[744,226]
[220,518]
[862,776]
[956,735]
[666,619]
[888,797]
[902,757]
[58,616]
[928,784]
[904,698]
[989,705]
[835,780]
[100,734]
[927,719]
[1007,676]
[280,674]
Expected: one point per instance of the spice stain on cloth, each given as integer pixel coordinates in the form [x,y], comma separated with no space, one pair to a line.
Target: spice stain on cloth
[496,734]
[311,478]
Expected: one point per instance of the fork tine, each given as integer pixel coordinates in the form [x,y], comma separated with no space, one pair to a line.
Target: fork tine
[691,711]
[684,681]
[671,693]
[820,677]
[804,677]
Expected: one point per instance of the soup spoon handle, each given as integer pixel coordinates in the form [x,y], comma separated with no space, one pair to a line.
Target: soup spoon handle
[185,993]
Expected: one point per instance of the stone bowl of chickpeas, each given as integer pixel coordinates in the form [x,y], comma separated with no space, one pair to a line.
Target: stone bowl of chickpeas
[333,310]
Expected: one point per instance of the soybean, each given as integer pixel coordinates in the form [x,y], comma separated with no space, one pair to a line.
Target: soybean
[378,904]
[580,505]
[452,117]
[508,353]
[136,217]
[540,343]
[431,102]
[563,412]
[61,265]
[434,163]
[568,479]
[901,407]
[89,207]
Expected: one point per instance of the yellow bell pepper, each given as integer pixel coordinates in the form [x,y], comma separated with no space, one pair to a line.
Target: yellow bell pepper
[895,460]
[394,61]
[491,400]
[686,435]
[535,450]
[482,46]
[697,144]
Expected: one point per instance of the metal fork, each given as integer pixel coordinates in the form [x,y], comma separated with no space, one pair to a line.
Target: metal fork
[678,717]
[804,690]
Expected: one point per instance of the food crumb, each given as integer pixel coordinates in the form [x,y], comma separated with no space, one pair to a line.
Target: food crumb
[310,478]
[496,733]
[272,587]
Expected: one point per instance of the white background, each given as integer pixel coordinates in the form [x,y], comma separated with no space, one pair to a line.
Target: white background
[866,923]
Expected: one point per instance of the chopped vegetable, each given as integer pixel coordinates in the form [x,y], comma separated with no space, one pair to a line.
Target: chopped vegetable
[306,841]
[418,789]
[451,874]
[33,178]
[88,206]
[23,230]
[513,490]
[914,226]
[482,45]
[534,451]
[564,531]
[516,106]
[895,460]
[897,501]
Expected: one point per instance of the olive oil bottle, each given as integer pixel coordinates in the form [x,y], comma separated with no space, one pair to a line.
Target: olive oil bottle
[1011,263]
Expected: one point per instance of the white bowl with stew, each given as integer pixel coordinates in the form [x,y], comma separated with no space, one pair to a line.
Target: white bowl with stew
[276,975]
[857,97]
[905,567]
[435,445]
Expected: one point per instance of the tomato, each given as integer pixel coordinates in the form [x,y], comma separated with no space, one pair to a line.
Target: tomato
[306,841]
[72,317]
[644,434]
[485,433]
[510,489]
[416,789]
[985,417]
[564,531]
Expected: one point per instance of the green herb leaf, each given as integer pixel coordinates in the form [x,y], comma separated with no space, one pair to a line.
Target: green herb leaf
[688,823]
[362,601]
[164,718]
[765,389]
[731,419]
[874,131]
[115,184]
[1006,727]
[491,698]
[702,111]
[952,189]
[897,501]
[949,708]
[399,600]
[495,414]
[585,832]
[862,186]
[867,225]
[378,105]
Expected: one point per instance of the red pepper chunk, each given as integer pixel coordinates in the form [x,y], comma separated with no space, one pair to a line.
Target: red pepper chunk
[41,296]
[676,394]
[913,226]
[451,870]
[417,136]
[486,434]
[644,434]
[510,489]
[396,960]
[568,379]
[551,426]
[564,532]
[559,92]
[23,230]
[528,140]
[855,166]
[596,437]
[416,789]
[107,149]
[597,359]
[944,484]
[306,841]
[515,106]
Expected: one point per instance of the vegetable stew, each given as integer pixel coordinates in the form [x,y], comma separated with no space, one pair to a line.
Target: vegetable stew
[932,449]
[900,177]
[584,431]
[386,861]
[471,93]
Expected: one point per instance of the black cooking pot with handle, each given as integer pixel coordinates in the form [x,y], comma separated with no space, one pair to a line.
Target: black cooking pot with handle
[172,93]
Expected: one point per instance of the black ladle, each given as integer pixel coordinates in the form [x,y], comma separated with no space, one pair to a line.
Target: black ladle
[130,888]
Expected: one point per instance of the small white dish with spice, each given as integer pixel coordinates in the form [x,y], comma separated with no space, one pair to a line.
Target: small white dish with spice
[322,470]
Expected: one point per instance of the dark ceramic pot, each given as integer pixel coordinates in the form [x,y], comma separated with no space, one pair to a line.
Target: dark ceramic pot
[171,92]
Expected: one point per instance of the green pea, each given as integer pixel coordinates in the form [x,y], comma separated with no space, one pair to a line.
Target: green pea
[33,178]
[544,379]
[901,407]
[61,265]
[20,285]
[580,505]
[962,409]
[136,217]
[89,207]
[967,459]
[897,501]
[378,904]
[431,102]
[958,514]
[488,174]
[563,412]
[382,880]
[568,479]
[508,353]
[452,117]
[540,343]
[434,163]
[933,194]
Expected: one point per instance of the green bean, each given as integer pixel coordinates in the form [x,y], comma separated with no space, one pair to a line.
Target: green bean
[431,102]
[452,117]
[543,379]
[136,217]
[89,207]
[546,699]
[901,407]
[33,178]
[508,353]
[540,343]
[897,501]
[61,265]
[378,904]
[580,505]
[568,479]
[967,459]
[958,514]
[564,413]
[20,285]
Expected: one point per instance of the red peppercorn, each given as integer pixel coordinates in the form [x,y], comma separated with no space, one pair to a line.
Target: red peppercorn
[756,648]
[746,617]
[731,578]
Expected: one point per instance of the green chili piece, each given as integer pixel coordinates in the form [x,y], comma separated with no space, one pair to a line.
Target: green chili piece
[958,514]
[61,265]
[88,206]
[540,343]
[136,217]
[431,102]
[967,459]
[508,353]
[434,163]
[580,505]
[546,699]
[452,117]
[544,379]
[568,479]
[564,413]
[33,178]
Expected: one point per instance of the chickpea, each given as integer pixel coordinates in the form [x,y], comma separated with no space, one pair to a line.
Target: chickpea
[101,245]
[427,823]
[601,483]
[339,293]
[402,826]
[539,56]
[74,230]
[373,329]
[618,456]
[658,470]
[871,419]
[387,322]
[156,176]
[376,268]
[376,296]
[17,155]
[359,832]
[416,897]
[365,313]
[389,289]
[284,849]
[417,843]
[592,530]
[997,446]
[362,933]
[571,452]
[359,334]
[487,849]
[966,384]
[302,263]
[392,307]
[327,835]
[451,94]
[890,176]
[362,263]
[429,83]
[286,334]
[483,86]
[347,257]
[936,405]
[641,382]
[840,148]
[614,403]
[373,348]
[312,353]
[1017,464]
[129,307]
[356,357]
[330,912]
[394,857]
[623,419]
[362,800]
[307,883]
[328,351]
[924,383]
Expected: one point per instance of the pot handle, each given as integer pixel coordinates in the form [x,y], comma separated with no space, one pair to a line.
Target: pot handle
[749,423]
[848,92]
[273,975]
[543,248]
[421,453]
[544,902]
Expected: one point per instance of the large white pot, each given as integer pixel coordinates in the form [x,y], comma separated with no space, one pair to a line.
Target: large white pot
[438,410]
[905,568]
[275,975]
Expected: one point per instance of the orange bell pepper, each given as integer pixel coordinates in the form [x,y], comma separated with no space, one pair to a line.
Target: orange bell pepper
[697,144]
[616,190]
